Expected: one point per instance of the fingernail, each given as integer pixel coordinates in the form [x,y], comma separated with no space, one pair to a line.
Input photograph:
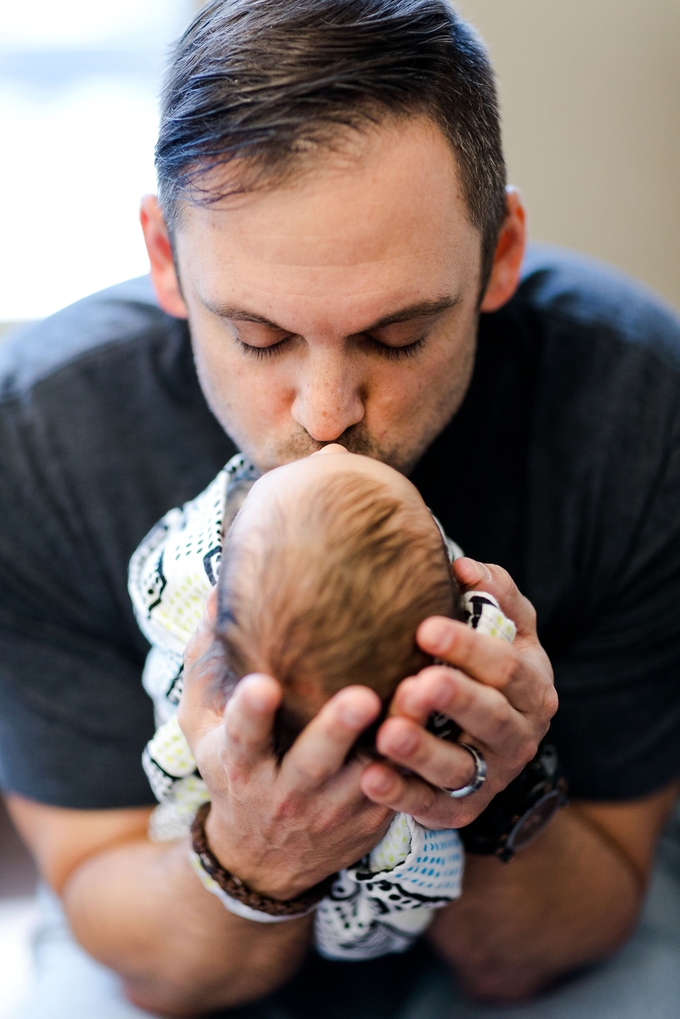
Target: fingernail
[256,697]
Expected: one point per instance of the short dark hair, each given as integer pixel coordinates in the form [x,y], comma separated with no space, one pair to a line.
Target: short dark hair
[265,81]
[332,597]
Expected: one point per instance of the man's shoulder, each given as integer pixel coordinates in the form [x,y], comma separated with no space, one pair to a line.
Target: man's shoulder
[576,299]
[103,427]
[122,320]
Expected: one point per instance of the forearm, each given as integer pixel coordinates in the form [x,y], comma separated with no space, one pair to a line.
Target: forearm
[569,899]
[140,910]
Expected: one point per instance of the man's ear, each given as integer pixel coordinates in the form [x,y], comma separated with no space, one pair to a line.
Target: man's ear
[507,263]
[163,272]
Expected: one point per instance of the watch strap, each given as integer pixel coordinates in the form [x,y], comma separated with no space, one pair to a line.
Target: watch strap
[492,832]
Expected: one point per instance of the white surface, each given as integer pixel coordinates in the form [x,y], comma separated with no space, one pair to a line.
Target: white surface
[45,24]
[73,228]
[78,122]
[17,917]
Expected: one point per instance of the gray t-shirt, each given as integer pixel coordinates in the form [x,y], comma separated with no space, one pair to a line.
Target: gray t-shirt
[563,465]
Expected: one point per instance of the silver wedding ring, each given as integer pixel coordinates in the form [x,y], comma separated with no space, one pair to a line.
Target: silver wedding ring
[478,779]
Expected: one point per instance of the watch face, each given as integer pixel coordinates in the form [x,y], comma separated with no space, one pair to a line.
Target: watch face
[534,821]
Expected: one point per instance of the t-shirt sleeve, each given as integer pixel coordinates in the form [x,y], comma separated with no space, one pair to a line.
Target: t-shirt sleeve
[74,719]
[74,716]
[103,428]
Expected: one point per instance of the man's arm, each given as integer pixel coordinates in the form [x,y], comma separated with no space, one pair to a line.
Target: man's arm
[139,908]
[570,898]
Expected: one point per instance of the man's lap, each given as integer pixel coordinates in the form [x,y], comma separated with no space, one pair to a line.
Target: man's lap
[642,979]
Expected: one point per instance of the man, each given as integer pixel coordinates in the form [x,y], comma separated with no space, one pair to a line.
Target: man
[333,219]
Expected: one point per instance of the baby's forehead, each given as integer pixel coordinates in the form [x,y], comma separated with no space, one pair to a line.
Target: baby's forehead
[295,479]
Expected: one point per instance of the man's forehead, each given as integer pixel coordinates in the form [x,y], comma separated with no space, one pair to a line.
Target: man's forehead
[398,212]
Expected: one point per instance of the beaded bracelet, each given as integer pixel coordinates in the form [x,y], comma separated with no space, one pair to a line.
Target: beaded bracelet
[234,894]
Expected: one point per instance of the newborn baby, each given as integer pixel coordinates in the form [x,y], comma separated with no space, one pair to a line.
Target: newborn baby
[327,571]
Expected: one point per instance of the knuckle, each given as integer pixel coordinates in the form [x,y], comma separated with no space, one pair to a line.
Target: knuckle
[315,771]
[530,612]
[507,666]
[420,754]
[526,751]
[503,727]
[501,576]
[467,811]
[233,731]
[424,799]
[466,697]
[551,701]
[463,638]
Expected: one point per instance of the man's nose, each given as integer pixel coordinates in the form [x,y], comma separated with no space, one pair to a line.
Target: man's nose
[329,397]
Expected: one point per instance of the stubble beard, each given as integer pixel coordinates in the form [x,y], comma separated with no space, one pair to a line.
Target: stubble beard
[402,455]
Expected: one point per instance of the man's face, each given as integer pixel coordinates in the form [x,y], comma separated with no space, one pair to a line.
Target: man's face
[341,307]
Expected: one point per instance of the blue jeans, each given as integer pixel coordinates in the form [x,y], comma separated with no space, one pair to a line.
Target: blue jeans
[642,980]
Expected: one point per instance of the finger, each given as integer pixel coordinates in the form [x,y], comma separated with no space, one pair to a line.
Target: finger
[493,579]
[409,701]
[487,659]
[249,720]
[479,710]
[408,794]
[321,749]
[437,761]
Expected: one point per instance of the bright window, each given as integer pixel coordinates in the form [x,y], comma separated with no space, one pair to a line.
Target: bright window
[79,82]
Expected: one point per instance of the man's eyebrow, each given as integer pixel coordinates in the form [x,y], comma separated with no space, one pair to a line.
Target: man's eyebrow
[423,309]
[238,314]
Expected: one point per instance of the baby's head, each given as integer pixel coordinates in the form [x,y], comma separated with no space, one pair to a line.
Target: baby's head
[327,571]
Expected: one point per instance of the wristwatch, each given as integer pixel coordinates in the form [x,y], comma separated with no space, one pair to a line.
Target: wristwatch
[521,812]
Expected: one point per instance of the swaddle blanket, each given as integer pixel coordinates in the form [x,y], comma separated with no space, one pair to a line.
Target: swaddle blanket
[385,901]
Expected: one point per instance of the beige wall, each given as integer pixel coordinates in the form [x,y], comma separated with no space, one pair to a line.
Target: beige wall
[590,91]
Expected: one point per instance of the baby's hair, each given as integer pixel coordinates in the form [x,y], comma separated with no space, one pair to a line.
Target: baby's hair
[332,596]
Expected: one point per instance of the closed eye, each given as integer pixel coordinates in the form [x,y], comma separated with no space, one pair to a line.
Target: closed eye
[384,350]
[395,353]
[261,353]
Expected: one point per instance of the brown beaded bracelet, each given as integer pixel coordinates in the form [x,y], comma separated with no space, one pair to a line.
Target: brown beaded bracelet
[236,889]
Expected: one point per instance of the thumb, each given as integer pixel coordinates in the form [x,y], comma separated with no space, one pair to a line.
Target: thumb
[201,640]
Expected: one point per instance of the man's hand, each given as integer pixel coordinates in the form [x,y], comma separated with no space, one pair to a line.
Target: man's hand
[502,695]
[279,828]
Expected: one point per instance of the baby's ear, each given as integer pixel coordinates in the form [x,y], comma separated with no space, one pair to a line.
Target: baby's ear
[222,679]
